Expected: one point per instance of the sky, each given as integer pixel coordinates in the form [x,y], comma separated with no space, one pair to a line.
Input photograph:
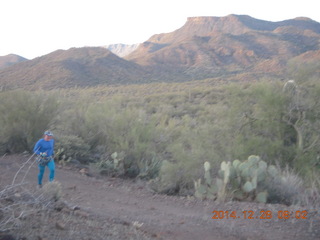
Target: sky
[32,28]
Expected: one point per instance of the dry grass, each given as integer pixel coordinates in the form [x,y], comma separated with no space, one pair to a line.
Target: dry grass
[290,189]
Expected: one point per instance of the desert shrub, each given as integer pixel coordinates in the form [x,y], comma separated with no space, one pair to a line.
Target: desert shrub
[70,146]
[114,166]
[24,116]
[286,188]
[185,127]
[176,176]
[149,168]
[72,137]
[279,124]
[290,188]
[115,126]
[311,194]
[51,192]
[189,145]
[170,179]
[110,165]
[255,116]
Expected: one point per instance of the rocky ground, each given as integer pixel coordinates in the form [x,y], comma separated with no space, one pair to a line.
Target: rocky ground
[81,206]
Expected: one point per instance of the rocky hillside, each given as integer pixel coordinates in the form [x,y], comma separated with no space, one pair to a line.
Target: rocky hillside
[76,67]
[231,47]
[209,46]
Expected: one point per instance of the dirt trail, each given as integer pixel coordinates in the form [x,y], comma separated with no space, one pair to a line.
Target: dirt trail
[167,217]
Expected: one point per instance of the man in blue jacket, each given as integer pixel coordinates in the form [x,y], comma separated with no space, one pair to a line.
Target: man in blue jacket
[44,148]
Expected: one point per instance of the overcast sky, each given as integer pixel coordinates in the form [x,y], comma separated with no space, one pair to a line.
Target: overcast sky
[32,28]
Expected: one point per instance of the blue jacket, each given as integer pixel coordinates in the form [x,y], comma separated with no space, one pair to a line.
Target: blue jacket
[44,146]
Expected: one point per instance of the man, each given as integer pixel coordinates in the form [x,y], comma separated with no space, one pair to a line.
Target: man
[44,148]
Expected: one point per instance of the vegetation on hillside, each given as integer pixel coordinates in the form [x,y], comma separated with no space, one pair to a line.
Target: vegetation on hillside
[166,137]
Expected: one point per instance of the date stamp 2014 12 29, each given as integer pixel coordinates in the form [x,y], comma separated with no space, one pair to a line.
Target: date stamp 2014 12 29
[263,214]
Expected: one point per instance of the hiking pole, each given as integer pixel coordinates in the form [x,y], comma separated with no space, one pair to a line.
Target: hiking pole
[15,176]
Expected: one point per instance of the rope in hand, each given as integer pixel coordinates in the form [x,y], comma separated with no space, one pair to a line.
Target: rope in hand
[14,179]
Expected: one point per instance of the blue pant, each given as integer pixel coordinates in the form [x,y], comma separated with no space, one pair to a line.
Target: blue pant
[51,167]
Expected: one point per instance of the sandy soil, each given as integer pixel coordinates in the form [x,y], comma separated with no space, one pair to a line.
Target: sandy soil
[109,208]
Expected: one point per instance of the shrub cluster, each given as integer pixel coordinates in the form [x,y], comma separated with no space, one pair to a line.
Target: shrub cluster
[167,137]
[23,118]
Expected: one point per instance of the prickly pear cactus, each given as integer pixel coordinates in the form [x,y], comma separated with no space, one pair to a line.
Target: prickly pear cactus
[207,166]
[262,197]
[242,180]
[207,175]
[250,178]
[207,190]
[200,189]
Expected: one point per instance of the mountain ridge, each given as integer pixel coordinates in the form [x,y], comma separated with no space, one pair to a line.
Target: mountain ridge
[204,47]
[219,43]
[10,59]
[68,68]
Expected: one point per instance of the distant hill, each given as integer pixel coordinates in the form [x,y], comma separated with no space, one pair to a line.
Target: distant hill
[11,59]
[122,50]
[234,47]
[69,68]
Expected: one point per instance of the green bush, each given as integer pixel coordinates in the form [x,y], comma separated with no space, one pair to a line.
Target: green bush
[275,123]
[71,147]
[168,136]
[124,130]
[24,117]
[52,192]
[107,127]
[189,146]
[110,165]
